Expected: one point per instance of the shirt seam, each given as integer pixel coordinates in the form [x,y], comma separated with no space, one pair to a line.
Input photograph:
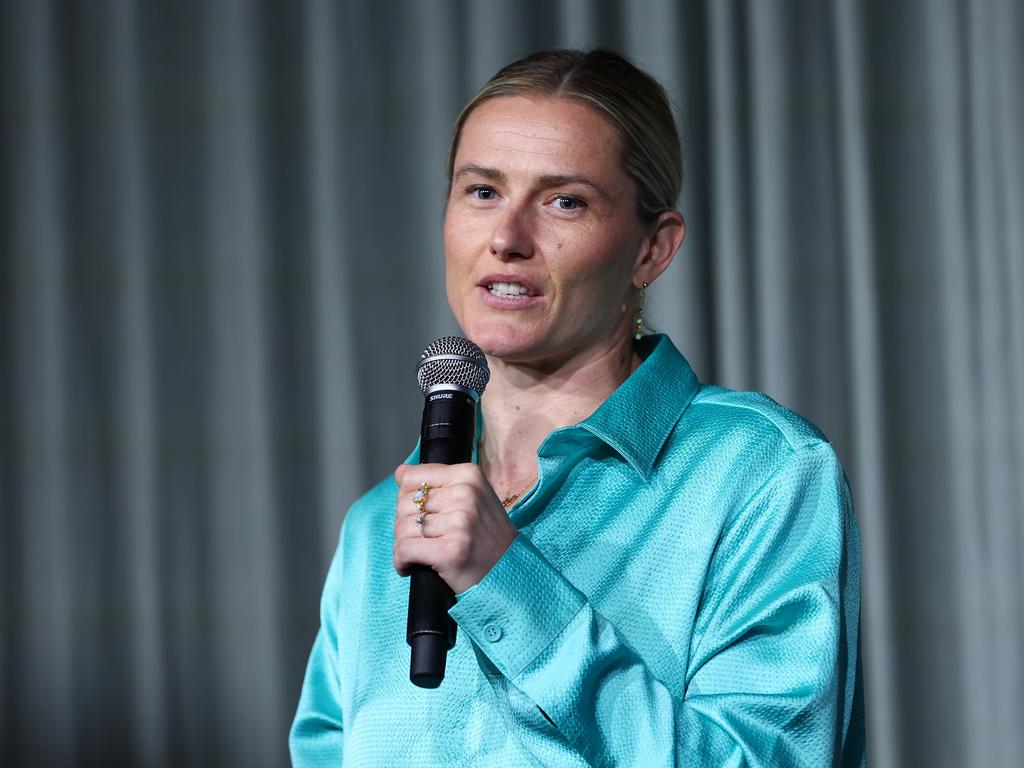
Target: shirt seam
[783,432]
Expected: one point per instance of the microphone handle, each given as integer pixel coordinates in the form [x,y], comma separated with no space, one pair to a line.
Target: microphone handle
[446,437]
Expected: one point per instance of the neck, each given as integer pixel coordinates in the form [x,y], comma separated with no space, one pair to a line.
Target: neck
[524,403]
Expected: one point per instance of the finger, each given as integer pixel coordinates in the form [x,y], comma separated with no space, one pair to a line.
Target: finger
[407,504]
[435,525]
[408,528]
[447,497]
[424,498]
[416,550]
[409,519]
[439,516]
[406,508]
[433,529]
[400,470]
[405,528]
[436,475]
[405,521]
[414,503]
[413,474]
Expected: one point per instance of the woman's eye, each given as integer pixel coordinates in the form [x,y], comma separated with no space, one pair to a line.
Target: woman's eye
[568,203]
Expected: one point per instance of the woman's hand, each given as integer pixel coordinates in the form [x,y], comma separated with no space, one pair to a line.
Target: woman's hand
[465,529]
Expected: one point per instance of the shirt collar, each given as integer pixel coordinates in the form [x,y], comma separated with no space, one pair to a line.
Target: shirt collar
[638,417]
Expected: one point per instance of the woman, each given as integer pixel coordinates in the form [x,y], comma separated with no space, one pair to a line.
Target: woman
[648,571]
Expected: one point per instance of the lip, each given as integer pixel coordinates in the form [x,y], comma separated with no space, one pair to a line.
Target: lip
[531,288]
[533,295]
[506,302]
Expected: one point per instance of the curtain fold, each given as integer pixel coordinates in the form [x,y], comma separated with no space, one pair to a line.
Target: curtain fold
[221,255]
[864,408]
[133,412]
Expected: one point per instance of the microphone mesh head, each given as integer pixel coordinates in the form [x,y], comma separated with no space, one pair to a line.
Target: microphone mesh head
[453,360]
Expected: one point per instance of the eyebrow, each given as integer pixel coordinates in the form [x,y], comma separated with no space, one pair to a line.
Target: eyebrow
[548,180]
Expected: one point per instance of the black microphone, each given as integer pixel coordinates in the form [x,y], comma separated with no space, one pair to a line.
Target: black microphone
[452,372]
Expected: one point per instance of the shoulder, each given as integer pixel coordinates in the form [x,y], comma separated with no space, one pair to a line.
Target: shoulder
[752,415]
[771,474]
[736,442]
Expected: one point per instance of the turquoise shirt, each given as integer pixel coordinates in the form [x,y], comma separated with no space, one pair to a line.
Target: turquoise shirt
[684,590]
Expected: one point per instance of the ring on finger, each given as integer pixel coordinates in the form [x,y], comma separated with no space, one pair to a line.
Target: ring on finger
[420,500]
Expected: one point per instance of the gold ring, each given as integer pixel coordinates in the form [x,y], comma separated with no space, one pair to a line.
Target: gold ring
[420,500]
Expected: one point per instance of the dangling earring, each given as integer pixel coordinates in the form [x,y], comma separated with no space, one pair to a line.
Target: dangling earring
[638,321]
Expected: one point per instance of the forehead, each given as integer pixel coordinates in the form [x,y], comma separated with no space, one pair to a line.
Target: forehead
[541,135]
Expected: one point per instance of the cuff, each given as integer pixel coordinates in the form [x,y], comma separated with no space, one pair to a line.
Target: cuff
[518,608]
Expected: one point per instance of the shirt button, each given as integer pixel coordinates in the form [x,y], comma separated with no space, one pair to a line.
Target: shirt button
[492,632]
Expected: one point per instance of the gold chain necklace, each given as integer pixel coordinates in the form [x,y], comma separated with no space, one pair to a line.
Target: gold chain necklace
[509,500]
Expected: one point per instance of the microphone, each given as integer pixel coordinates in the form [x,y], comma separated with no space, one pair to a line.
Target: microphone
[452,372]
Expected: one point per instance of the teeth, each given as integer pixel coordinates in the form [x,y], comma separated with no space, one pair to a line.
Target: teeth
[507,289]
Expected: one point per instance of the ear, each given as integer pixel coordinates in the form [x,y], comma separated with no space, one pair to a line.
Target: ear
[659,247]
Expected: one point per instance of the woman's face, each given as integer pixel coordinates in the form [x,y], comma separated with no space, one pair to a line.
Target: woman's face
[541,235]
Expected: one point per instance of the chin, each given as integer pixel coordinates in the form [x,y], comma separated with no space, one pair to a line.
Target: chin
[505,343]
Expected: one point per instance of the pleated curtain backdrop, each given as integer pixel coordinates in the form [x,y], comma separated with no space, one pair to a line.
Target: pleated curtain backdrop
[221,255]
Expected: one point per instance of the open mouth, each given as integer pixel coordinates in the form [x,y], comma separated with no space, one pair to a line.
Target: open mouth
[508,290]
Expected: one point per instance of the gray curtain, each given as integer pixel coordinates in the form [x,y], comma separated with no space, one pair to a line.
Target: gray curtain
[221,255]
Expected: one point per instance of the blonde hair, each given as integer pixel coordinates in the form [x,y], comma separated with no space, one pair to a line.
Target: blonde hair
[632,101]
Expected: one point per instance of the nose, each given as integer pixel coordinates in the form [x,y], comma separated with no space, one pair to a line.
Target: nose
[512,237]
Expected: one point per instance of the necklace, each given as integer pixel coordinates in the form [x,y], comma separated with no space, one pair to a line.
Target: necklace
[509,500]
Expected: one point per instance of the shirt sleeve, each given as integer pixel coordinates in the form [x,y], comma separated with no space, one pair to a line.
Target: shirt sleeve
[773,654]
[316,735]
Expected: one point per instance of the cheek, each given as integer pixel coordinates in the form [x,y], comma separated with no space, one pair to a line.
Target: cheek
[450,279]
[457,265]
[465,241]
[451,242]
[601,279]
[458,236]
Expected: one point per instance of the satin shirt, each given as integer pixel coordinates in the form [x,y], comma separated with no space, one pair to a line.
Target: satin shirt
[684,590]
